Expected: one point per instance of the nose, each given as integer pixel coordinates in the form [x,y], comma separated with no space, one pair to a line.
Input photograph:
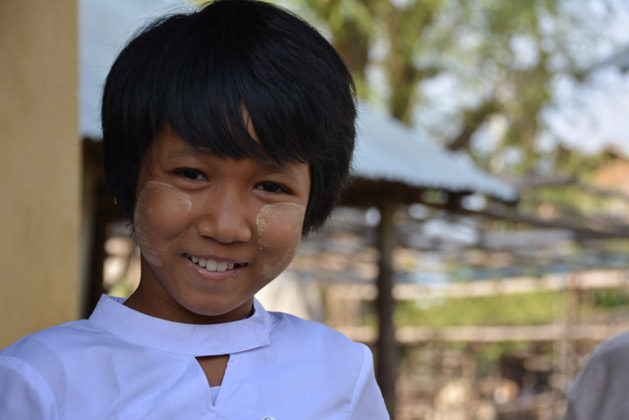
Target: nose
[225,217]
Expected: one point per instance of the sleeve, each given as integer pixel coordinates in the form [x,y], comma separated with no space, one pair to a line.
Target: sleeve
[599,391]
[367,401]
[25,394]
[583,396]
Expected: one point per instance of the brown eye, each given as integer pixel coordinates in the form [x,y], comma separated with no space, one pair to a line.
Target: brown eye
[191,174]
[272,187]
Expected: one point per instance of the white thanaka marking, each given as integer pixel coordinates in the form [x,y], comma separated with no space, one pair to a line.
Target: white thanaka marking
[292,214]
[182,197]
[280,215]
[144,237]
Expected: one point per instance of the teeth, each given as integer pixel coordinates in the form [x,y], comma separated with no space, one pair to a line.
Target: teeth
[213,265]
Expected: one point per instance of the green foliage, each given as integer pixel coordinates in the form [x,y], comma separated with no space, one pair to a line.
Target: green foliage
[525,309]
[609,298]
[504,310]
[502,58]
[580,164]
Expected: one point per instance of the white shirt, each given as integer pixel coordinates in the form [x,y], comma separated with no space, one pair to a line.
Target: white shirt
[122,364]
[600,390]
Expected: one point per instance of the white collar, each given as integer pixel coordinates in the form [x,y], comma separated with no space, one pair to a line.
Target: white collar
[174,337]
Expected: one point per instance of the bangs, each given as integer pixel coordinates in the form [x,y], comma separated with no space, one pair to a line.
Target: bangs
[218,115]
[218,74]
[211,91]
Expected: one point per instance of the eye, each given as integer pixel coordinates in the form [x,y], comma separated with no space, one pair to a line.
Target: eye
[192,174]
[273,187]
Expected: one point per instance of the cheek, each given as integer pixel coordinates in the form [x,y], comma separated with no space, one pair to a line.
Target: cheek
[161,215]
[279,232]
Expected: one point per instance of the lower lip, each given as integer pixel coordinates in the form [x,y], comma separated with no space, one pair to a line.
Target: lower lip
[213,275]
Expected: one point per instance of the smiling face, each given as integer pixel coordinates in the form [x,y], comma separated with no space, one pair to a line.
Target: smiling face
[212,230]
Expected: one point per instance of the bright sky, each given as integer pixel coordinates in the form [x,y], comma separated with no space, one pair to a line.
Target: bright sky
[595,116]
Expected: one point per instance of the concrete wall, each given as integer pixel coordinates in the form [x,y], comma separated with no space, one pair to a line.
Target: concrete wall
[39,165]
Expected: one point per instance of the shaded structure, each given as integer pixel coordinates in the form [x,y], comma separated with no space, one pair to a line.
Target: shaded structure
[393,166]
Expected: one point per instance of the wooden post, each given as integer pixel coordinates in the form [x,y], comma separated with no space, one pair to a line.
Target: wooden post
[571,321]
[564,345]
[386,360]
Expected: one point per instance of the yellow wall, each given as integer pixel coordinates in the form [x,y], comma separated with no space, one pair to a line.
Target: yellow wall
[39,165]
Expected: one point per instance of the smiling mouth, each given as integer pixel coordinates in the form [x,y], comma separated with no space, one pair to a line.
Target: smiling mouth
[214,265]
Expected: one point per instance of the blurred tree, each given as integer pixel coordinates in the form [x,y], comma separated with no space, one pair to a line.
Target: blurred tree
[462,68]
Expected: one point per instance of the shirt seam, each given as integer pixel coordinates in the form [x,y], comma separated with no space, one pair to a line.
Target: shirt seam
[41,378]
[350,408]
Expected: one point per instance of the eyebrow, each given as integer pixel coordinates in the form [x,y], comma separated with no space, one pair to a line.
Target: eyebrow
[287,171]
[189,152]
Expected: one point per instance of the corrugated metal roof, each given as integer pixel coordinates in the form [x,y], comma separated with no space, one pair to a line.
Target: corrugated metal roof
[386,149]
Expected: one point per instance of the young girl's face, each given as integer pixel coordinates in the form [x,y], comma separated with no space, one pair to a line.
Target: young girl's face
[212,230]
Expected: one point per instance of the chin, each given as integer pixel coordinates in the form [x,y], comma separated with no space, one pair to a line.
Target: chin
[205,310]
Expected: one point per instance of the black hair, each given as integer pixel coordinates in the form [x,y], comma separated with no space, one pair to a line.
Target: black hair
[195,72]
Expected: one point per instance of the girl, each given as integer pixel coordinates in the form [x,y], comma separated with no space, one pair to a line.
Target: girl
[228,135]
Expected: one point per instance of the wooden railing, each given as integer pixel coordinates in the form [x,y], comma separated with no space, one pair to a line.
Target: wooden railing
[344,305]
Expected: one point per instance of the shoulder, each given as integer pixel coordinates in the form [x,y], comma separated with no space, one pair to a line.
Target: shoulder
[34,369]
[51,351]
[315,336]
[321,348]
[618,343]
[331,359]
[57,339]
[51,338]
[599,386]
[610,354]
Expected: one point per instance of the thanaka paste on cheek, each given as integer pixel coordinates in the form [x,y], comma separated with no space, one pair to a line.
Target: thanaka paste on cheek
[279,223]
[158,204]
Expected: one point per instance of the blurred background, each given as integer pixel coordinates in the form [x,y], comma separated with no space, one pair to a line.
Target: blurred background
[482,249]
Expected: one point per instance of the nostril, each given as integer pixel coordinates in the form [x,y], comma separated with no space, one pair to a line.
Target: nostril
[225,230]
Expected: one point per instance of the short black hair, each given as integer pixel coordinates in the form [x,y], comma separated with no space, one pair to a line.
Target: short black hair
[194,72]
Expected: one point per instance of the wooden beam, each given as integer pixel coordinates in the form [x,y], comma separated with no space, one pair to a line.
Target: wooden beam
[386,358]
[366,193]
[586,280]
[589,228]
[489,334]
